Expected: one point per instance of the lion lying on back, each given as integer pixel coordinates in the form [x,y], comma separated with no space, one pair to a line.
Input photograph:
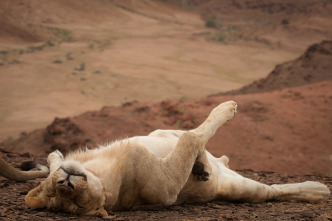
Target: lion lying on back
[166,167]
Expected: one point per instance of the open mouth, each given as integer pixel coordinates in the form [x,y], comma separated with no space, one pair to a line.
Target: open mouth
[66,183]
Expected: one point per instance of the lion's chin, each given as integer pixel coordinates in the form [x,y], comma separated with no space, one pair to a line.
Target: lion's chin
[65,192]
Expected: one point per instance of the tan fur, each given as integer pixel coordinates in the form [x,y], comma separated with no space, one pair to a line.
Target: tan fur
[11,173]
[166,167]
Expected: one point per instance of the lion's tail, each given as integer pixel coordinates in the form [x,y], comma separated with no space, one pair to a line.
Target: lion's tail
[12,173]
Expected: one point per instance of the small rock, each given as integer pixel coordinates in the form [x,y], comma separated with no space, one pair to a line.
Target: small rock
[306,214]
[217,207]
[109,217]
[81,67]
[27,155]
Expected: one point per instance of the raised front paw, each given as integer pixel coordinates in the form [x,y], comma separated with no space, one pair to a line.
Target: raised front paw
[226,110]
[199,172]
[54,155]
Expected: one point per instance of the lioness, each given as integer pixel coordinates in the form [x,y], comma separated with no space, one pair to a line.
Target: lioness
[166,167]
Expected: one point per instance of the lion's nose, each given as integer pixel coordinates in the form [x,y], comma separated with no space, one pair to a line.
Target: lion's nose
[66,183]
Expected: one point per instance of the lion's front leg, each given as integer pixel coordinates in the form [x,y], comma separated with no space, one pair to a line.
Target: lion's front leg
[163,179]
[54,160]
[218,116]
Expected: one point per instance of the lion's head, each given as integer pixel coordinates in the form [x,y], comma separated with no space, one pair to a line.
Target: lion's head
[70,188]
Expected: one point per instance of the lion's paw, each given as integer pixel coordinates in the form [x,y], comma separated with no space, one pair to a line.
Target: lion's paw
[307,191]
[54,155]
[314,191]
[200,172]
[226,109]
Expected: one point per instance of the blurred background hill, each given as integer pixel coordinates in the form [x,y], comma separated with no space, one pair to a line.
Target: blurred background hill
[165,64]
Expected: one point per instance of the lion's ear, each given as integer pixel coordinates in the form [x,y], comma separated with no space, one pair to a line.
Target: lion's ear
[36,197]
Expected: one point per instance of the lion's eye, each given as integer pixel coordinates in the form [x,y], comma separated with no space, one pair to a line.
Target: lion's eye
[72,173]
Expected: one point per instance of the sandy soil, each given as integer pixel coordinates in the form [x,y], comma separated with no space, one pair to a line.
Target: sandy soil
[137,50]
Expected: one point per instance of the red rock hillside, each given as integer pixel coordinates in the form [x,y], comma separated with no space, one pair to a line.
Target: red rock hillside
[286,130]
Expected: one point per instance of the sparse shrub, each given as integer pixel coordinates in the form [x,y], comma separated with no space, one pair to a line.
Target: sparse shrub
[219,36]
[69,56]
[104,44]
[61,35]
[35,48]
[211,22]
[81,67]
[101,45]
[49,43]
[57,61]
[4,52]
[262,22]
[66,36]
[39,47]
[14,61]
[186,4]
[184,97]
[285,22]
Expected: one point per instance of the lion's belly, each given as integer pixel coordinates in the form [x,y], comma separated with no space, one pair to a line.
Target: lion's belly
[196,191]
[159,146]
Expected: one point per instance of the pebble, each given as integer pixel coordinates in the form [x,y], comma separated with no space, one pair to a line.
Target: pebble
[109,217]
[307,214]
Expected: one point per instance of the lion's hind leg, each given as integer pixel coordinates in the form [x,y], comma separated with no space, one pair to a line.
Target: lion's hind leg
[235,187]
[307,191]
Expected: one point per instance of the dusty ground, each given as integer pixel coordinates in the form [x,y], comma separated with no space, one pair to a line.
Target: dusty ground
[12,206]
[140,50]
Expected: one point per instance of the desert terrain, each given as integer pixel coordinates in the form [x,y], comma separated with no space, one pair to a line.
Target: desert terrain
[62,59]
[82,73]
